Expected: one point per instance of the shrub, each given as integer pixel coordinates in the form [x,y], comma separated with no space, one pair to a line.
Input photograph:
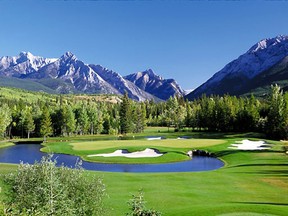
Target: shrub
[45,189]
[137,206]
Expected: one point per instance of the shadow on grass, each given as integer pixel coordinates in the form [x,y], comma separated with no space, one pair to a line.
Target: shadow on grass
[278,173]
[226,152]
[251,165]
[262,203]
[283,173]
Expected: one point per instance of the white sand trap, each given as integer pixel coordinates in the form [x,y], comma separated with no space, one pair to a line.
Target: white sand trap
[182,138]
[250,145]
[154,138]
[138,154]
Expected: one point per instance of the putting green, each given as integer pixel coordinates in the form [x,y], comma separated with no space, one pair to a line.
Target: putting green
[175,143]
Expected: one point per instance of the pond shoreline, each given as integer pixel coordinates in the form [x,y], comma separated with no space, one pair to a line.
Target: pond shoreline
[28,153]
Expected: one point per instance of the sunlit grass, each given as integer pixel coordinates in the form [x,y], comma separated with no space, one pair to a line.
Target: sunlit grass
[173,149]
[176,143]
[252,183]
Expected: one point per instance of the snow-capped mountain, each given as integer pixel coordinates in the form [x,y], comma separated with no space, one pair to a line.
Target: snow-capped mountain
[155,85]
[239,76]
[24,63]
[75,73]
[68,74]
[122,85]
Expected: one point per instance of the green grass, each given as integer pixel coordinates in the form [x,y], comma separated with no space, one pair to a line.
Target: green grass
[24,84]
[4,144]
[173,149]
[252,183]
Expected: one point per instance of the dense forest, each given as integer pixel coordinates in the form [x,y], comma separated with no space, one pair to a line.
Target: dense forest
[28,114]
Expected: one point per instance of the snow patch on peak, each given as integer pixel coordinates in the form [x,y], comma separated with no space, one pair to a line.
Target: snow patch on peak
[268,43]
[68,56]
[26,54]
[188,91]
[151,74]
[260,57]
[68,53]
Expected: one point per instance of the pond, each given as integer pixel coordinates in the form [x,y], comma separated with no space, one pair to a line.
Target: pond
[29,153]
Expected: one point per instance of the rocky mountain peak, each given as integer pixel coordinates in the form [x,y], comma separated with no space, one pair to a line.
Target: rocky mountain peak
[68,57]
[269,43]
[235,75]
[67,74]
[155,85]
[150,72]
[25,56]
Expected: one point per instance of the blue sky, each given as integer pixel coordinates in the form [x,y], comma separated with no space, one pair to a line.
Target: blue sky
[185,40]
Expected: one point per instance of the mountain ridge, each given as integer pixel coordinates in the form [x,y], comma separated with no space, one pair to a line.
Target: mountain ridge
[68,74]
[244,71]
[156,85]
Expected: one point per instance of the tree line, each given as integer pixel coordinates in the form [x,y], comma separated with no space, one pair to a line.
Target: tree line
[66,117]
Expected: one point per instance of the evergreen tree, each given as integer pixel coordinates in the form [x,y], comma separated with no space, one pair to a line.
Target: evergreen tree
[188,119]
[106,124]
[125,115]
[69,120]
[139,118]
[46,124]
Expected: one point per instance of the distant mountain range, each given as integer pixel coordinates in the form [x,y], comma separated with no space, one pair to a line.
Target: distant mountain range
[265,63]
[155,85]
[67,74]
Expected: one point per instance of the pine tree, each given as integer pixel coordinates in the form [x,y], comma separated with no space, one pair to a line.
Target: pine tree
[69,120]
[125,115]
[139,118]
[46,124]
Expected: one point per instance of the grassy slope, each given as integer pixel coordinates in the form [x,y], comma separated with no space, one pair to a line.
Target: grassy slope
[25,84]
[17,94]
[33,96]
[255,182]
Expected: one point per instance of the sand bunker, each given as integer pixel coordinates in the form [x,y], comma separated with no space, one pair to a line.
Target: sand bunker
[250,145]
[154,138]
[123,153]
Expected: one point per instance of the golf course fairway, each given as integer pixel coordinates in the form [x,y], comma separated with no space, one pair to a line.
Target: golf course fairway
[251,183]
